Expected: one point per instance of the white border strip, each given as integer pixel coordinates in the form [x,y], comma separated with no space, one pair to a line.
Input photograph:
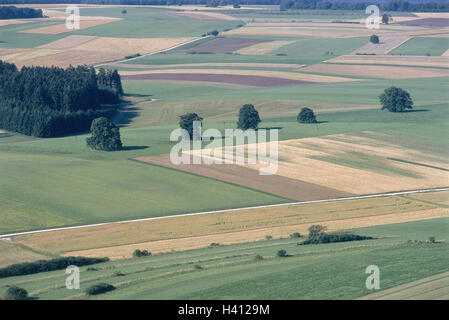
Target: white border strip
[378,195]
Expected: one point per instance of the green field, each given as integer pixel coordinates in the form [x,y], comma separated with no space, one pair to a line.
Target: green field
[306,51]
[151,23]
[59,182]
[422,46]
[231,272]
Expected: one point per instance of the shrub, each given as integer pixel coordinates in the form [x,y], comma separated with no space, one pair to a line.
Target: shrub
[119,274]
[268,237]
[432,239]
[282,253]
[295,235]
[99,288]
[213,33]
[316,230]
[258,257]
[16,293]
[374,39]
[141,253]
[198,267]
[306,116]
[214,244]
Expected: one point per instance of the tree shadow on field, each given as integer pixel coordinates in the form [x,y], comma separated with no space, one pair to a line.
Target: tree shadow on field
[271,128]
[416,110]
[131,148]
[127,115]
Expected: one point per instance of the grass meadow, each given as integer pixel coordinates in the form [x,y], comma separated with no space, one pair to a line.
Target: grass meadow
[422,46]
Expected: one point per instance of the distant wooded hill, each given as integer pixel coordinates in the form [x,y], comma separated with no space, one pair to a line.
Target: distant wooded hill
[390,5]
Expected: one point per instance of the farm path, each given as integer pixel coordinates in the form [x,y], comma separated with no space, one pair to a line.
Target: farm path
[378,195]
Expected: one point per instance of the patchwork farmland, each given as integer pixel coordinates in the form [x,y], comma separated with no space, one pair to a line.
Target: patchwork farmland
[215,231]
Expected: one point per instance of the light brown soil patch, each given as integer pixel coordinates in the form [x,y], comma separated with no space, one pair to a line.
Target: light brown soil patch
[359,164]
[262,73]
[284,187]
[68,42]
[96,50]
[324,31]
[182,233]
[231,64]
[263,48]
[61,28]
[124,251]
[201,15]
[28,54]
[384,72]
[11,253]
[11,21]
[432,61]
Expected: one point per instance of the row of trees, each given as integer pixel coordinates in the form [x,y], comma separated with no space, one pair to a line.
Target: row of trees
[51,101]
[11,12]
[248,118]
[392,99]
[391,5]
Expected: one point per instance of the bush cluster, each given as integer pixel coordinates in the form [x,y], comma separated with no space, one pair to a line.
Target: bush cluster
[20,269]
[99,288]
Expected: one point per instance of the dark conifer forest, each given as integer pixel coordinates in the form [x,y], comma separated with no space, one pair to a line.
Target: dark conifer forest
[11,12]
[51,101]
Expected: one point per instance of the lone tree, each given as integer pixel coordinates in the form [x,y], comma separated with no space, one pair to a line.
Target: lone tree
[16,293]
[386,18]
[248,117]
[316,230]
[186,122]
[306,116]
[105,135]
[374,39]
[396,100]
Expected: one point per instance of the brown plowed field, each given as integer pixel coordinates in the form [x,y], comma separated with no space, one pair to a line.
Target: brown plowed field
[281,186]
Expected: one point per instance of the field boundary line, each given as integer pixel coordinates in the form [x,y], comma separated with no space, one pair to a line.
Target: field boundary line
[377,195]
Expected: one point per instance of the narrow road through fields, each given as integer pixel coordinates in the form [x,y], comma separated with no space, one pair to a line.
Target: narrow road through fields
[378,195]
